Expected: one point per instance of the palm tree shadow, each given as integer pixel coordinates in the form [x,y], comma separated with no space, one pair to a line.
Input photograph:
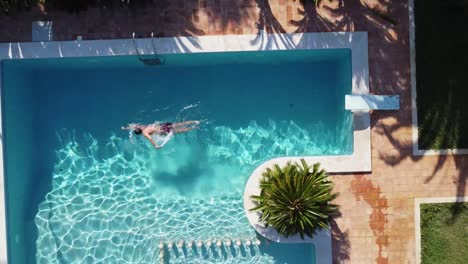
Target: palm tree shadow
[456,210]
[357,15]
[341,245]
[404,147]
[405,152]
[183,179]
[341,15]
[268,23]
[167,12]
[462,167]
[310,21]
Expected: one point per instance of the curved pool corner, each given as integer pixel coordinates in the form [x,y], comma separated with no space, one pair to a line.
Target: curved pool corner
[321,240]
[358,161]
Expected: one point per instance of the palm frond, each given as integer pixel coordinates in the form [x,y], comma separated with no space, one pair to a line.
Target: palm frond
[295,199]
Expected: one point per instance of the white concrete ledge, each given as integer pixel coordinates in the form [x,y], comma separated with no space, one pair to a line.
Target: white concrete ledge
[355,41]
[359,161]
[372,102]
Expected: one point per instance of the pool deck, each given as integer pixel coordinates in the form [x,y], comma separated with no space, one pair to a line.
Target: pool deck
[377,223]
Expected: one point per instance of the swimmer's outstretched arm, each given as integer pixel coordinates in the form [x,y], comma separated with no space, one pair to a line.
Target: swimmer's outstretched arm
[147,136]
[132,127]
[129,127]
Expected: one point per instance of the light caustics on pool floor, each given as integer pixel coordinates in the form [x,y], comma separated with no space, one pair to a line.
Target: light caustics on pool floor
[108,202]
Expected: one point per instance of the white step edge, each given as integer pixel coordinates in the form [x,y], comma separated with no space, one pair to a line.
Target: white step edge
[372,102]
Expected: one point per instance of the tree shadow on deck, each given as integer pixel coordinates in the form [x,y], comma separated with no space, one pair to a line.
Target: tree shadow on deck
[340,243]
[405,151]
[389,71]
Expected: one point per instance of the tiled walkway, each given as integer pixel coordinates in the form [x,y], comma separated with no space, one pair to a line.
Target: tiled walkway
[377,223]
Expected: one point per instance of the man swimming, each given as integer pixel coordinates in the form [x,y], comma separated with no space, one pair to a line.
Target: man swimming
[163,129]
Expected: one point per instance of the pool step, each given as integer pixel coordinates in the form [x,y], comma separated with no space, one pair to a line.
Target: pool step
[209,251]
[366,102]
[208,243]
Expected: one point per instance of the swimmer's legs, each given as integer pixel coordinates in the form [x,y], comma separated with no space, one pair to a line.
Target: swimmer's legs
[184,126]
[186,123]
[182,129]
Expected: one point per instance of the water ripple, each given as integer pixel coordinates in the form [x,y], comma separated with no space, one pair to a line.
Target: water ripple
[116,202]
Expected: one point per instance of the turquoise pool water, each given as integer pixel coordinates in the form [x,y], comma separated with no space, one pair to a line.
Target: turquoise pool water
[79,190]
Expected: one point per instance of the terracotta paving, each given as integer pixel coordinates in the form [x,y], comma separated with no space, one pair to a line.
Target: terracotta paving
[377,222]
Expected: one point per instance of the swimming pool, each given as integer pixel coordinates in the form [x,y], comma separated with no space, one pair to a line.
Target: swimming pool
[78,189]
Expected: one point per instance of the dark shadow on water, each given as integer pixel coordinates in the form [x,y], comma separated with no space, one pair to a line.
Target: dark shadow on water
[183,179]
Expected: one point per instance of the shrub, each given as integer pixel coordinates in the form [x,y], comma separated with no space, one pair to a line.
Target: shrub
[295,199]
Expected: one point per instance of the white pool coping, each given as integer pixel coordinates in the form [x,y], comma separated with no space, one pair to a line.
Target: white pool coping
[417,218]
[367,102]
[356,41]
[358,161]
[414,110]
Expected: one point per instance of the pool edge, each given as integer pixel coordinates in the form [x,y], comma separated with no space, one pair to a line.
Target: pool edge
[359,161]
[356,41]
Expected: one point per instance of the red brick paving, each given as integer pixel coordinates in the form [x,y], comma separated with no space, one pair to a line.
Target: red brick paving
[377,223]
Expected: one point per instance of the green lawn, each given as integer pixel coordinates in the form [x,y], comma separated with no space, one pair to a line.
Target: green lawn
[442,73]
[444,233]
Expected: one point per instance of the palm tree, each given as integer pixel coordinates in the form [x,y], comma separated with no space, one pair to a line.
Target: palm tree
[295,199]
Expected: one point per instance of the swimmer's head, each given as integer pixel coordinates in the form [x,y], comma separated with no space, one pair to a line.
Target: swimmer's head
[137,131]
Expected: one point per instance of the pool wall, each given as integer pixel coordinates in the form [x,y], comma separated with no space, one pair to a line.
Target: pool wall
[23,159]
[360,160]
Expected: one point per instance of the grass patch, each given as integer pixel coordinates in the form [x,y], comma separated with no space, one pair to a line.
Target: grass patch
[442,79]
[444,233]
